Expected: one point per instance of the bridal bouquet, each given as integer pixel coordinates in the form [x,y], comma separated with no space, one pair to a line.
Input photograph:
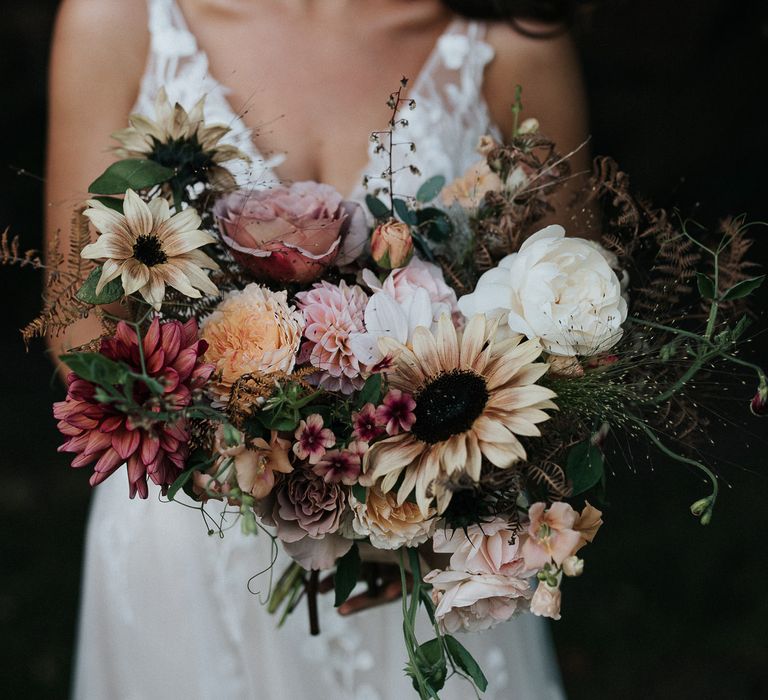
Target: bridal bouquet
[433,374]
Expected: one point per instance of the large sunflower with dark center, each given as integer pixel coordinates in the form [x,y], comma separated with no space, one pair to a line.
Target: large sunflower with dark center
[474,396]
[183,141]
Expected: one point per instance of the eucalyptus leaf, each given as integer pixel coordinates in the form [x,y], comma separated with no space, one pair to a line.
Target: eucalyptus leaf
[406,215]
[430,189]
[347,574]
[111,292]
[706,286]
[743,288]
[132,173]
[377,207]
[466,662]
[584,466]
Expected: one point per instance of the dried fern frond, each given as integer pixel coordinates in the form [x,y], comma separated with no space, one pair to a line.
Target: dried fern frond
[551,477]
[11,254]
[65,276]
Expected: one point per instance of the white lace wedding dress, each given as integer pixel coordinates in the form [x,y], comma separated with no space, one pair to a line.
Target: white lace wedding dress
[166,610]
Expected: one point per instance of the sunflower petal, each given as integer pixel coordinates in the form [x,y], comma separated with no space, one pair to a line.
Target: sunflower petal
[137,214]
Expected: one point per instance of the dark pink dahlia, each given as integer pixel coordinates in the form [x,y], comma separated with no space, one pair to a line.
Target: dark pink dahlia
[101,433]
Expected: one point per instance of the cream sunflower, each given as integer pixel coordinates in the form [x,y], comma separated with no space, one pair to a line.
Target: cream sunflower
[148,248]
[474,395]
[181,140]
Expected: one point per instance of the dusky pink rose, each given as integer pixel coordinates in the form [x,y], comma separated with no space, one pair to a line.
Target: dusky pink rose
[307,505]
[287,233]
[474,602]
[493,548]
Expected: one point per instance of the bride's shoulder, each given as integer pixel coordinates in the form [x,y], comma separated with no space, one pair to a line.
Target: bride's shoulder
[102,28]
[544,62]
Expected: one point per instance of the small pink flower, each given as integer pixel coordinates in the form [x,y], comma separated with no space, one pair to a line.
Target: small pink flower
[552,536]
[546,601]
[759,403]
[359,448]
[312,439]
[366,426]
[339,465]
[396,412]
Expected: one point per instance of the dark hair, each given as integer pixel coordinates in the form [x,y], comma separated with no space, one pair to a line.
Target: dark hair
[547,11]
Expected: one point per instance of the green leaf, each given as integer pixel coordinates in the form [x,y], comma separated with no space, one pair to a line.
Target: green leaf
[743,288]
[135,174]
[96,368]
[406,215]
[466,662]
[376,207]
[432,663]
[706,286]
[430,189]
[360,492]
[584,466]
[347,574]
[198,461]
[435,223]
[371,391]
[111,202]
[177,485]
[112,290]
[277,421]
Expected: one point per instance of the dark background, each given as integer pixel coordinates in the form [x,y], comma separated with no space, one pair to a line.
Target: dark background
[666,608]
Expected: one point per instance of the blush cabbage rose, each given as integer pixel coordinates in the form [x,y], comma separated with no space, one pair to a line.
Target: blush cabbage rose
[559,290]
[291,233]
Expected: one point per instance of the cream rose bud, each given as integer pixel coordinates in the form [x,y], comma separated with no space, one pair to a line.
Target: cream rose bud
[392,245]
[546,601]
[573,566]
[559,290]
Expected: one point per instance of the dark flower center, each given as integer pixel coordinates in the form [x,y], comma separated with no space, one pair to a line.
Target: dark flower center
[449,405]
[186,156]
[147,250]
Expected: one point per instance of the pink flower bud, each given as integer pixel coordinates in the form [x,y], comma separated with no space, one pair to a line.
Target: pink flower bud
[759,403]
[392,245]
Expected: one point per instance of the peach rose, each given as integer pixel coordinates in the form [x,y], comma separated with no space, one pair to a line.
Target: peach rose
[253,330]
[388,525]
[289,234]
[469,189]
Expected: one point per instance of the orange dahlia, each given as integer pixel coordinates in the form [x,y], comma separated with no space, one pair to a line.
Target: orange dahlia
[474,395]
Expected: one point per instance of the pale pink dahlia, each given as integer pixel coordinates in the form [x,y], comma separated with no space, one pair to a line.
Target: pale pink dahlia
[100,432]
[332,313]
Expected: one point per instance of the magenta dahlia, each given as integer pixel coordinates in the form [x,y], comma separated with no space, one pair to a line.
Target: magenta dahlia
[101,433]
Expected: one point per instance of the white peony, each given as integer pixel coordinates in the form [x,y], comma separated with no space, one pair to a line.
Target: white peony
[559,290]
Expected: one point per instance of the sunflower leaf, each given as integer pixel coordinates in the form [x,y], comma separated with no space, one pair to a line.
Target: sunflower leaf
[347,573]
[584,466]
[112,290]
[132,173]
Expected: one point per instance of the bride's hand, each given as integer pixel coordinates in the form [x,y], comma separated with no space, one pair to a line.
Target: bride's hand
[380,570]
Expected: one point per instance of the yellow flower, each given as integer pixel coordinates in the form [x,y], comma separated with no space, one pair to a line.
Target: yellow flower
[474,395]
[180,140]
[251,331]
[148,248]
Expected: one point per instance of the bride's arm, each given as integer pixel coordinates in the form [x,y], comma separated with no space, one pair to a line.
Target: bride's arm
[97,59]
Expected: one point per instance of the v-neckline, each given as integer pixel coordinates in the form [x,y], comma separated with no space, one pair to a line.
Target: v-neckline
[269,172]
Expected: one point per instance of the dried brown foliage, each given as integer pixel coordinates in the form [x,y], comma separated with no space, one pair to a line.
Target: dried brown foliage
[11,253]
[65,275]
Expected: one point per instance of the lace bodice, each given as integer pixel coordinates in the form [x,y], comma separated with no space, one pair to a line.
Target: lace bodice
[450,115]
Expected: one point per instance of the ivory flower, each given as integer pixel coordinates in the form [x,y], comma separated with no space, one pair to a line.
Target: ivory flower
[561,291]
[148,248]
